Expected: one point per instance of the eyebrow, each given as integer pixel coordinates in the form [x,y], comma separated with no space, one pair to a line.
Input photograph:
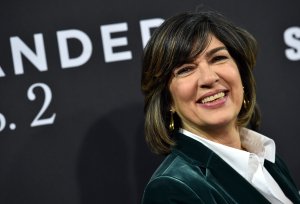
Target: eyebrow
[213,51]
[208,54]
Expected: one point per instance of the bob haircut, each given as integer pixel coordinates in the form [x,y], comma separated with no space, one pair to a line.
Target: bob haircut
[177,41]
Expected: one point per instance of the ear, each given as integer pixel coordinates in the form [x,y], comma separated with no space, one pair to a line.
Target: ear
[171,103]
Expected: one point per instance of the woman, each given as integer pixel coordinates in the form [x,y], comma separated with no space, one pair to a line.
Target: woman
[199,98]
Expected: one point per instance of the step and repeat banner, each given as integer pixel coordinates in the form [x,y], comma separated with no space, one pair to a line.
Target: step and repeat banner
[71,109]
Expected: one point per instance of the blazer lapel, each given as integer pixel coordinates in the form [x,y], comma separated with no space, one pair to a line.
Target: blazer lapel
[227,179]
[219,173]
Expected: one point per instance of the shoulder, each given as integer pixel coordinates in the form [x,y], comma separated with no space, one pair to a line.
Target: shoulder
[178,166]
[178,178]
[166,189]
[284,169]
[281,166]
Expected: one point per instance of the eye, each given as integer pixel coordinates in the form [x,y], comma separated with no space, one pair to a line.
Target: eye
[183,71]
[218,58]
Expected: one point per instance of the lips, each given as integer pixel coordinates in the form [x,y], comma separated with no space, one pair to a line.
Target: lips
[211,97]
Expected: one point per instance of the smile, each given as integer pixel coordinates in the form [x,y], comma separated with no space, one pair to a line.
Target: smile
[213,97]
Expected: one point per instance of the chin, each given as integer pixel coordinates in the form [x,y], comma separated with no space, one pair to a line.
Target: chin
[221,122]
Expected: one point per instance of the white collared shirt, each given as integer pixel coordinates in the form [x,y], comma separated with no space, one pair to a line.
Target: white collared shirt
[249,165]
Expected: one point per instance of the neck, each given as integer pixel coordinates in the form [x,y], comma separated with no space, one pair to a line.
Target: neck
[229,136]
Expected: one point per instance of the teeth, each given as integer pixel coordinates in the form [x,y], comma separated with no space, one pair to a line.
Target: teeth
[212,98]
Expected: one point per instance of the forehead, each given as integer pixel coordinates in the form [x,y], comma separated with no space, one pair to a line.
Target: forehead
[214,45]
[214,42]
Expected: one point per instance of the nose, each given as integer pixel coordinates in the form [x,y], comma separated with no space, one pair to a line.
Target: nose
[207,77]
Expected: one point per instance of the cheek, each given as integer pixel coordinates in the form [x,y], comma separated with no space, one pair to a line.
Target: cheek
[181,92]
[233,79]
[237,84]
[233,74]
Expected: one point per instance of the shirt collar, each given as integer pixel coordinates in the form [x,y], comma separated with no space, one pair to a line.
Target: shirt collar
[258,144]
[254,142]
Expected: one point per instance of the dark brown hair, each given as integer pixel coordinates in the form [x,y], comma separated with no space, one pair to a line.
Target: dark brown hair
[177,41]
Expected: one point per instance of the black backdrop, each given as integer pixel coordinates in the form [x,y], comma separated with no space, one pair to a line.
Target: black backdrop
[71,110]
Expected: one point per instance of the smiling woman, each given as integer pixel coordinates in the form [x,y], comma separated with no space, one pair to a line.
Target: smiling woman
[199,98]
[208,96]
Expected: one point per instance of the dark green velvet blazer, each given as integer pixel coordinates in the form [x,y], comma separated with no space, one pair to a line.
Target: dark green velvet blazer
[193,174]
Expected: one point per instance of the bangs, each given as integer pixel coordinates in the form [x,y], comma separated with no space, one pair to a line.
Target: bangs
[191,39]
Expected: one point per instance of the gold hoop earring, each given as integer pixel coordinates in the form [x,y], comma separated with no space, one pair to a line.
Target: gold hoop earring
[245,104]
[171,125]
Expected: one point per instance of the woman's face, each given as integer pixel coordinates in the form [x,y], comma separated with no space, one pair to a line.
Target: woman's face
[207,94]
